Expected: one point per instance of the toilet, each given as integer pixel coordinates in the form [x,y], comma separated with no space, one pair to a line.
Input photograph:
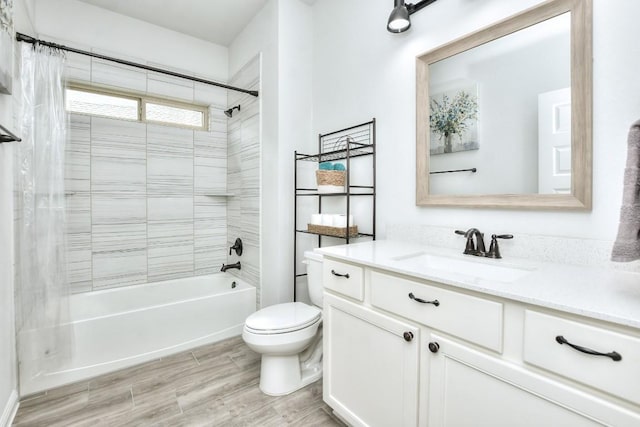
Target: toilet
[289,337]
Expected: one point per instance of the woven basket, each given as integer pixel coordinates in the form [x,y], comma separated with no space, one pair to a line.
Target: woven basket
[324,177]
[332,231]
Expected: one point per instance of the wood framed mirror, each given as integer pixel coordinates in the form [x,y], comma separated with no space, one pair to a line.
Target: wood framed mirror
[504,114]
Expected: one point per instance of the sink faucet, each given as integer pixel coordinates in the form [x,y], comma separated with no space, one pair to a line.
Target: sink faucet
[226,267]
[476,249]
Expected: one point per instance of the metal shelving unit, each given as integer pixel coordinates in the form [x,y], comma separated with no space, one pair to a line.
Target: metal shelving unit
[346,144]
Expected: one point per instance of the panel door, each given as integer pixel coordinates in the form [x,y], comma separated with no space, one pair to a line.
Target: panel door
[554,142]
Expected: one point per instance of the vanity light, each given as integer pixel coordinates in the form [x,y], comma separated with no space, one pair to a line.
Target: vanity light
[399,19]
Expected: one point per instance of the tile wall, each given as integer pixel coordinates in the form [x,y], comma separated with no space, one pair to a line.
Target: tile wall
[243,174]
[140,197]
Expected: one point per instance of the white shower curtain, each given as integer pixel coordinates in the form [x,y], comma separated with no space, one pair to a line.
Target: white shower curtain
[42,311]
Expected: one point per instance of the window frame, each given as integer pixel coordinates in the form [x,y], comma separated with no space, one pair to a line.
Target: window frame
[142,100]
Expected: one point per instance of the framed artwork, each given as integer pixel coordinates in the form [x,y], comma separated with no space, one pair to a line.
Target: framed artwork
[6,45]
[453,119]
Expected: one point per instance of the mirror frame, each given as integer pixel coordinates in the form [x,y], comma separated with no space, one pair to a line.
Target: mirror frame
[581,110]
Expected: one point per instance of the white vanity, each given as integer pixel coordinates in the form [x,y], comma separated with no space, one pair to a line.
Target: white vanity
[427,336]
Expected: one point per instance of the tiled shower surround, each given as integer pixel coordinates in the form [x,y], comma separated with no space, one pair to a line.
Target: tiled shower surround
[243,173]
[148,202]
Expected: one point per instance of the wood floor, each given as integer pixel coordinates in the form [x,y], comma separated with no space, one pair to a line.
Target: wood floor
[214,385]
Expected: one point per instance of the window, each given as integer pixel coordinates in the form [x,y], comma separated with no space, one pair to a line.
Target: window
[181,116]
[100,104]
[116,105]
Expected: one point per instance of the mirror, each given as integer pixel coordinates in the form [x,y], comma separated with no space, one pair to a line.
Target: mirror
[504,114]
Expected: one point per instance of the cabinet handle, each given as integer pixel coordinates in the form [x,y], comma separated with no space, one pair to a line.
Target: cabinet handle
[408,336]
[614,355]
[423,301]
[346,276]
[434,347]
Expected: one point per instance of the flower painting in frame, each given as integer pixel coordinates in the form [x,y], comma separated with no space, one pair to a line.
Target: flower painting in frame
[6,45]
[454,119]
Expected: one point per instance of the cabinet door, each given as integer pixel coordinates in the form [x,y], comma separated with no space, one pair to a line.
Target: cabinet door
[470,388]
[371,371]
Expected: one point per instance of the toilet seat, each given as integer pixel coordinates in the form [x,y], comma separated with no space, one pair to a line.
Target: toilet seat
[282,318]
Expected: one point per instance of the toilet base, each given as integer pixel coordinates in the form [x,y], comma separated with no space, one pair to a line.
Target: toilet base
[281,375]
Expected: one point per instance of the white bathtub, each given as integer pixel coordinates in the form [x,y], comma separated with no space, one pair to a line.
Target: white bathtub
[118,328]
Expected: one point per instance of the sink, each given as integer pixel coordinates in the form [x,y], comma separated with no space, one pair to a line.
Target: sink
[481,268]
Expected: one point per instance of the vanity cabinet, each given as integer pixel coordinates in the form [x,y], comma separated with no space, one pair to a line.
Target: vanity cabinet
[471,360]
[471,388]
[371,365]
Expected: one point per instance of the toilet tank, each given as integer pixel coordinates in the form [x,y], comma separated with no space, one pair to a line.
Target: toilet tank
[314,276]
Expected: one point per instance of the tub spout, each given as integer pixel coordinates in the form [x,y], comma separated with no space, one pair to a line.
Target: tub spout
[226,267]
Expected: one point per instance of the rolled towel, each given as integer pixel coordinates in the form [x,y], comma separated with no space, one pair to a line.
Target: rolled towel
[327,220]
[325,166]
[626,248]
[339,167]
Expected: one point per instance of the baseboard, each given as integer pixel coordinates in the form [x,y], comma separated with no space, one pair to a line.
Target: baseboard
[10,410]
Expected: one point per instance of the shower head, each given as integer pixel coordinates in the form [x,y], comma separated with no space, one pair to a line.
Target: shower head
[229,112]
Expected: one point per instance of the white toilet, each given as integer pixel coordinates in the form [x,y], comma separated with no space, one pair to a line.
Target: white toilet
[289,337]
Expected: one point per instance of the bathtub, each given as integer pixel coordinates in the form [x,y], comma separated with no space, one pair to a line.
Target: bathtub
[118,328]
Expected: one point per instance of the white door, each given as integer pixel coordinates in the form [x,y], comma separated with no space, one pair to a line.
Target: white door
[470,388]
[554,142]
[371,368]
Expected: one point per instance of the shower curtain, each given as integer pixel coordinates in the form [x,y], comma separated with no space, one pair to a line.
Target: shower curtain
[42,311]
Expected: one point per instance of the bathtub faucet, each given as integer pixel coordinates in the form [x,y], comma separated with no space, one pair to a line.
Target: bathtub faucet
[226,267]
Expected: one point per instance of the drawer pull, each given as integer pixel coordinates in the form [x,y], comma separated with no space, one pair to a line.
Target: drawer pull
[346,276]
[408,336]
[434,347]
[615,356]
[423,301]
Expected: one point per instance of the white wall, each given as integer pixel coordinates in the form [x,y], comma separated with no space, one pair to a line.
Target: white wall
[8,363]
[281,31]
[101,29]
[361,70]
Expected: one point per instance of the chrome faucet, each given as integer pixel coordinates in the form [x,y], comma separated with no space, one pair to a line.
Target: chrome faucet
[476,249]
[226,267]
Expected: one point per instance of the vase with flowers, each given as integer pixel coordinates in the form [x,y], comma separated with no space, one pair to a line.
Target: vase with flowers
[452,115]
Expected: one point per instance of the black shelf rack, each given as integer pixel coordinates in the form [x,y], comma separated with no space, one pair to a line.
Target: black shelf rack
[345,144]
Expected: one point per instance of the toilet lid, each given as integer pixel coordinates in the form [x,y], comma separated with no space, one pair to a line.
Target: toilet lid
[285,317]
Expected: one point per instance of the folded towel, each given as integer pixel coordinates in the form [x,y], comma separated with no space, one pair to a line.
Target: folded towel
[325,166]
[627,245]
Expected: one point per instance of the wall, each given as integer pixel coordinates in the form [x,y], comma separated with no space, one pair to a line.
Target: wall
[8,363]
[362,71]
[281,32]
[243,175]
[123,36]
[139,196]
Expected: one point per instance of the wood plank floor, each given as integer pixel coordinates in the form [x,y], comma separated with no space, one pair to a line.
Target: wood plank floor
[213,385]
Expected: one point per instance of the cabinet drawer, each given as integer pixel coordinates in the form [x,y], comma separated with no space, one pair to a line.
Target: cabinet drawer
[346,279]
[619,378]
[474,319]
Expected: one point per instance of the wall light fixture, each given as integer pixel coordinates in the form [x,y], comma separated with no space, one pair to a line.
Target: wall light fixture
[399,20]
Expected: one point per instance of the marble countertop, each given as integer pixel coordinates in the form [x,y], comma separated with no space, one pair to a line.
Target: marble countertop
[599,293]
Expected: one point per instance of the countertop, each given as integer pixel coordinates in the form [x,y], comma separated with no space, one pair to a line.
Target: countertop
[604,294]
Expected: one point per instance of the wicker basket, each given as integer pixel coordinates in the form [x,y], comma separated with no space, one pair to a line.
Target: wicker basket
[324,177]
[332,231]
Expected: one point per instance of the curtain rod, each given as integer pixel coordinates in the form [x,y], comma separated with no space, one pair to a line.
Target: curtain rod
[28,39]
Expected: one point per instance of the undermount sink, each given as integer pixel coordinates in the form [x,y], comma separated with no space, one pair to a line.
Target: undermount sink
[481,268]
